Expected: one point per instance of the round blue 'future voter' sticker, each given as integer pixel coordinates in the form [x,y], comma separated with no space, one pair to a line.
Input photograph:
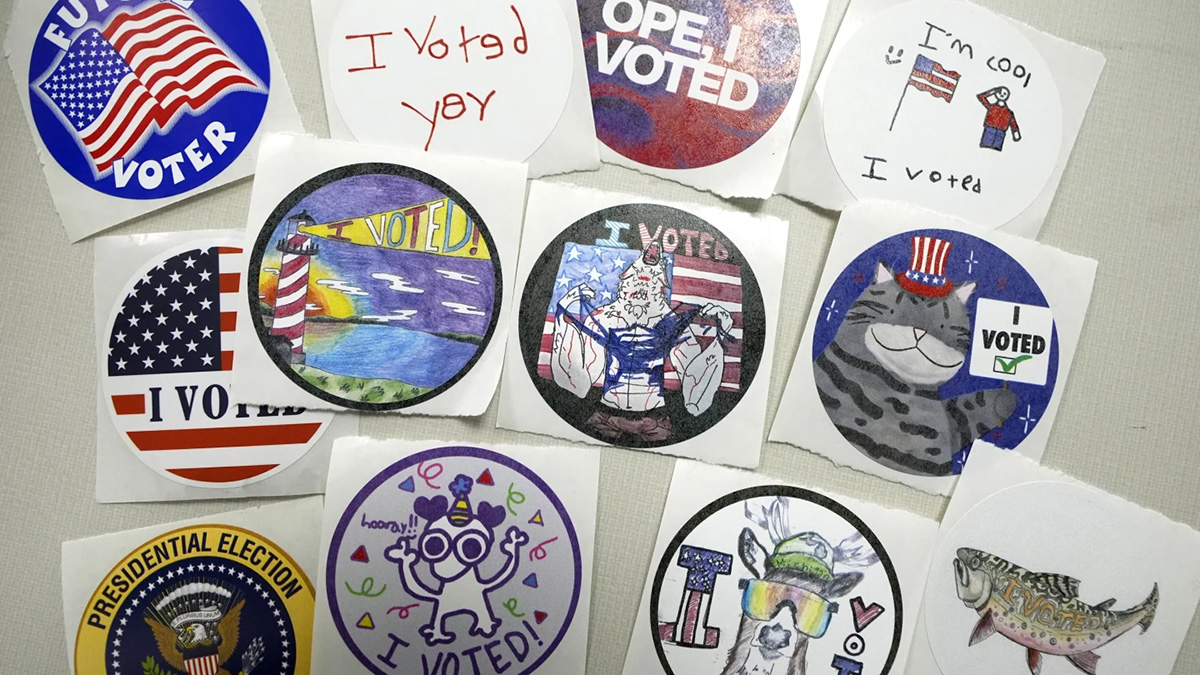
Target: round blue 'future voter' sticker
[148,100]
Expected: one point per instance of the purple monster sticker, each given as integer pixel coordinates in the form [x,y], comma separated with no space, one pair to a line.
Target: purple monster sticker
[454,560]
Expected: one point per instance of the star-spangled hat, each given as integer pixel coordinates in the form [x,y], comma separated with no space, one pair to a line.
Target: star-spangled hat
[926,275]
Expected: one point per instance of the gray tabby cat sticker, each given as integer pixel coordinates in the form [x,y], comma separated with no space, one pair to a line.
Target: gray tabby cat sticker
[902,338]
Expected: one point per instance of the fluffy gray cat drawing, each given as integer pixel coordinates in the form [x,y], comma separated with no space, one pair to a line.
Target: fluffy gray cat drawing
[879,377]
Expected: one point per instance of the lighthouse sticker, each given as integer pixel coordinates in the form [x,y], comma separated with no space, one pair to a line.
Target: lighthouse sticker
[374,286]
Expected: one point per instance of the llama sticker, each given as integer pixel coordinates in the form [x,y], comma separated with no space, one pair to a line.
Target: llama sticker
[779,581]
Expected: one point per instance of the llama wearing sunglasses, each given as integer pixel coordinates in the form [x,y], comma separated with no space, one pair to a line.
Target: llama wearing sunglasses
[789,599]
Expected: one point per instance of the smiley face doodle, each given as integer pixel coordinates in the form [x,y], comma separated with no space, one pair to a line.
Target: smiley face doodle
[453,544]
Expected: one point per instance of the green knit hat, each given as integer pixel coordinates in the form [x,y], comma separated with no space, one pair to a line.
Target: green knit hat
[807,553]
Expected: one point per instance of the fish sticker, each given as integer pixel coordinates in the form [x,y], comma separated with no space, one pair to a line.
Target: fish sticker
[1042,611]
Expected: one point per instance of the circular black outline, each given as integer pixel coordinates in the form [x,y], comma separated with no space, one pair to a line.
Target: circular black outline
[751,359]
[333,175]
[774,491]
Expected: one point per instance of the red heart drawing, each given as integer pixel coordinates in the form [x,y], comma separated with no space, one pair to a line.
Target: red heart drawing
[864,615]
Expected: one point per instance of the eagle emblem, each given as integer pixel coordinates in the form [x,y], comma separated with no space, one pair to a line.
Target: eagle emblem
[197,626]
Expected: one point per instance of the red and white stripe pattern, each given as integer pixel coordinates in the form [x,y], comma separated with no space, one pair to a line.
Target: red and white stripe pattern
[203,665]
[693,614]
[175,66]
[185,423]
[291,294]
[929,256]
[697,282]
[929,75]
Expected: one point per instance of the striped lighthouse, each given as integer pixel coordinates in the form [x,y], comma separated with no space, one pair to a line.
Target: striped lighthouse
[291,294]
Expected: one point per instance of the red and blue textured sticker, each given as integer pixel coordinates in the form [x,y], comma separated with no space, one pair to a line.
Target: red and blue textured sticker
[688,83]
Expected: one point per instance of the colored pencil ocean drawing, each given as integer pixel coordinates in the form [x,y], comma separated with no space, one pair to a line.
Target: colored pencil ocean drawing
[376,286]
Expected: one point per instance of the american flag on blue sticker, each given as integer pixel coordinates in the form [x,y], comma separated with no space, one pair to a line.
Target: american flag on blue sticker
[140,71]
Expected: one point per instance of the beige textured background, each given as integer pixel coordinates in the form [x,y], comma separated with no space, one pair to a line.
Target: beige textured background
[1129,421]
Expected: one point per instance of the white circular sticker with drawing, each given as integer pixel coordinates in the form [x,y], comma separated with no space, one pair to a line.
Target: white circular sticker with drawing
[1049,577]
[452,76]
[947,106]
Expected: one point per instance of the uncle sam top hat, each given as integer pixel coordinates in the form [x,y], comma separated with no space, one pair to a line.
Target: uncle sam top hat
[926,275]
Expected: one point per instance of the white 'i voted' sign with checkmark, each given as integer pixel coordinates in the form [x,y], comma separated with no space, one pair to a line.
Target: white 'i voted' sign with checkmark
[1012,341]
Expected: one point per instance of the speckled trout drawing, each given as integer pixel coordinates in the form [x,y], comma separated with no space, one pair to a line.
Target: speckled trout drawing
[1040,611]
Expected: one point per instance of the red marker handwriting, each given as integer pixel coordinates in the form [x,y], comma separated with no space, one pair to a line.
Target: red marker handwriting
[485,46]
[375,65]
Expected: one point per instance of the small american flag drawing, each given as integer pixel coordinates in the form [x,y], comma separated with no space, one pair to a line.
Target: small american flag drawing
[141,70]
[167,376]
[929,75]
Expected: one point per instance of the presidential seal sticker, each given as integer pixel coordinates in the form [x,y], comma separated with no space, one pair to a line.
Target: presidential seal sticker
[166,373]
[944,105]
[688,84]
[928,341]
[201,600]
[642,325]
[374,286]
[775,579]
[454,559]
[148,100]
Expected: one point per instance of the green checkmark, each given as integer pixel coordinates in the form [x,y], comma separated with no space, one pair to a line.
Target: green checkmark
[1009,366]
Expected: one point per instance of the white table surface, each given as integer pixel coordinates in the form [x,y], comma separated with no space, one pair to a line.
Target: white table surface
[1128,423]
